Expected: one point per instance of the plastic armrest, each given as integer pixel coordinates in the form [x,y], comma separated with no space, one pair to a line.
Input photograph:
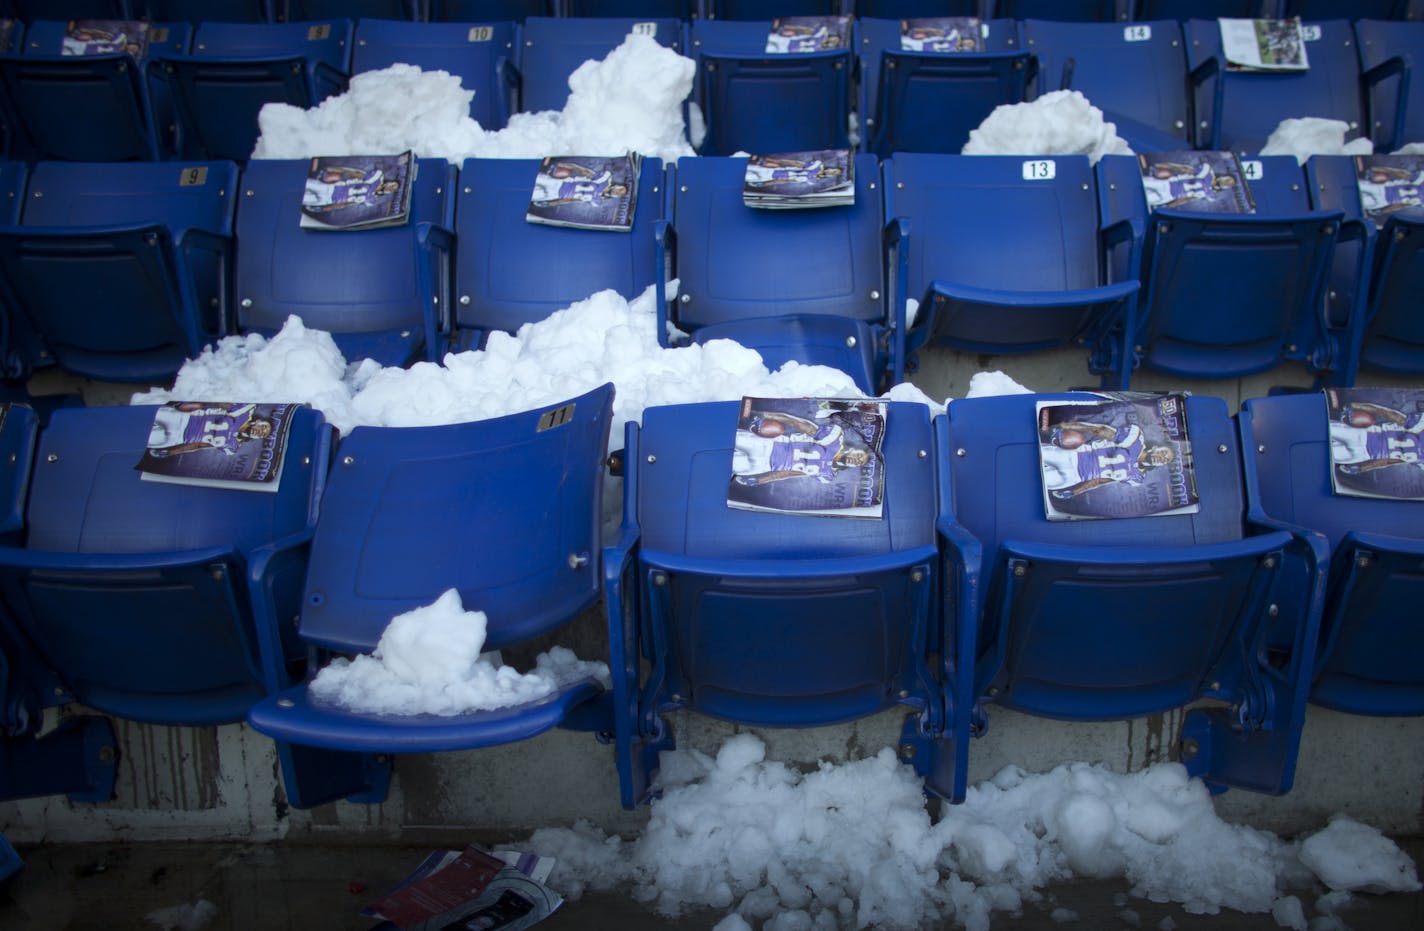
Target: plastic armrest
[436,244]
[965,554]
[262,563]
[896,240]
[665,244]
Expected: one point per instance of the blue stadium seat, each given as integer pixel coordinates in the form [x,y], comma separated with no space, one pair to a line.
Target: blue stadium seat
[1238,110]
[486,11]
[31,10]
[234,69]
[655,9]
[765,103]
[118,271]
[482,56]
[315,10]
[1369,644]
[1089,620]
[1350,9]
[147,599]
[382,293]
[929,101]
[1226,295]
[758,9]
[1388,53]
[807,285]
[197,11]
[1061,10]
[1375,279]
[509,272]
[554,48]
[1202,9]
[1008,260]
[78,757]
[402,522]
[1136,74]
[915,9]
[84,108]
[776,619]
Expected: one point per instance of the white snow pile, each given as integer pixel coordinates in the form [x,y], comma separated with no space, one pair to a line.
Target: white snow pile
[428,661]
[852,845]
[629,101]
[603,338]
[1058,123]
[1311,135]
[1352,857]
[188,917]
[1413,148]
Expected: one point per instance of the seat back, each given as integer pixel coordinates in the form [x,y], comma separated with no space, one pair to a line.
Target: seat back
[137,593]
[314,10]
[1204,9]
[736,262]
[1389,52]
[1136,74]
[484,11]
[929,101]
[375,289]
[237,68]
[657,9]
[197,11]
[31,10]
[773,618]
[751,9]
[1062,10]
[555,47]
[1348,9]
[913,9]
[1369,647]
[507,511]
[44,89]
[764,103]
[120,271]
[1232,294]
[1238,110]
[481,56]
[509,272]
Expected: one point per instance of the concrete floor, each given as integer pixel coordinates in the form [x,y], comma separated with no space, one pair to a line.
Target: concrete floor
[291,886]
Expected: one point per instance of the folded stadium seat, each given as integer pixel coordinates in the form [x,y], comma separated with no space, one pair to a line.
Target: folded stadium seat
[656,9]
[482,56]
[85,107]
[1388,51]
[1136,74]
[197,11]
[1238,110]
[779,619]
[383,293]
[237,68]
[313,10]
[1061,10]
[118,271]
[1375,279]
[147,600]
[807,285]
[1012,254]
[554,48]
[402,522]
[487,11]
[1230,294]
[31,10]
[760,102]
[915,9]
[929,101]
[1369,647]
[78,756]
[1201,9]
[1090,620]
[509,272]
[1351,9]
[759,9]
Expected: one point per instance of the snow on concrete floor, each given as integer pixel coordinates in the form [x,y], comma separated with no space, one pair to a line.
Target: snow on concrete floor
[853,845]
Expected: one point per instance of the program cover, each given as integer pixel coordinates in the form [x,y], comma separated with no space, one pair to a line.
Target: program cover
[1375,445]
[348,192]
[1263,44]
[942,34]
[469,889]
[793,180]
[1207,182]
[816,456]
[218,444]
[105,37]
[791,34]
[586,192]
[1124,456]
[1390,184]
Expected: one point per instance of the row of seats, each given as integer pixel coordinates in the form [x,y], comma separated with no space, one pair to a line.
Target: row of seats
[1162,83]
[120,272]
[476,10]
[175,604]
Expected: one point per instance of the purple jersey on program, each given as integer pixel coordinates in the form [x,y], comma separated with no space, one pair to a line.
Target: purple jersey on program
[811,456]
[1388,441]
[1116,459]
